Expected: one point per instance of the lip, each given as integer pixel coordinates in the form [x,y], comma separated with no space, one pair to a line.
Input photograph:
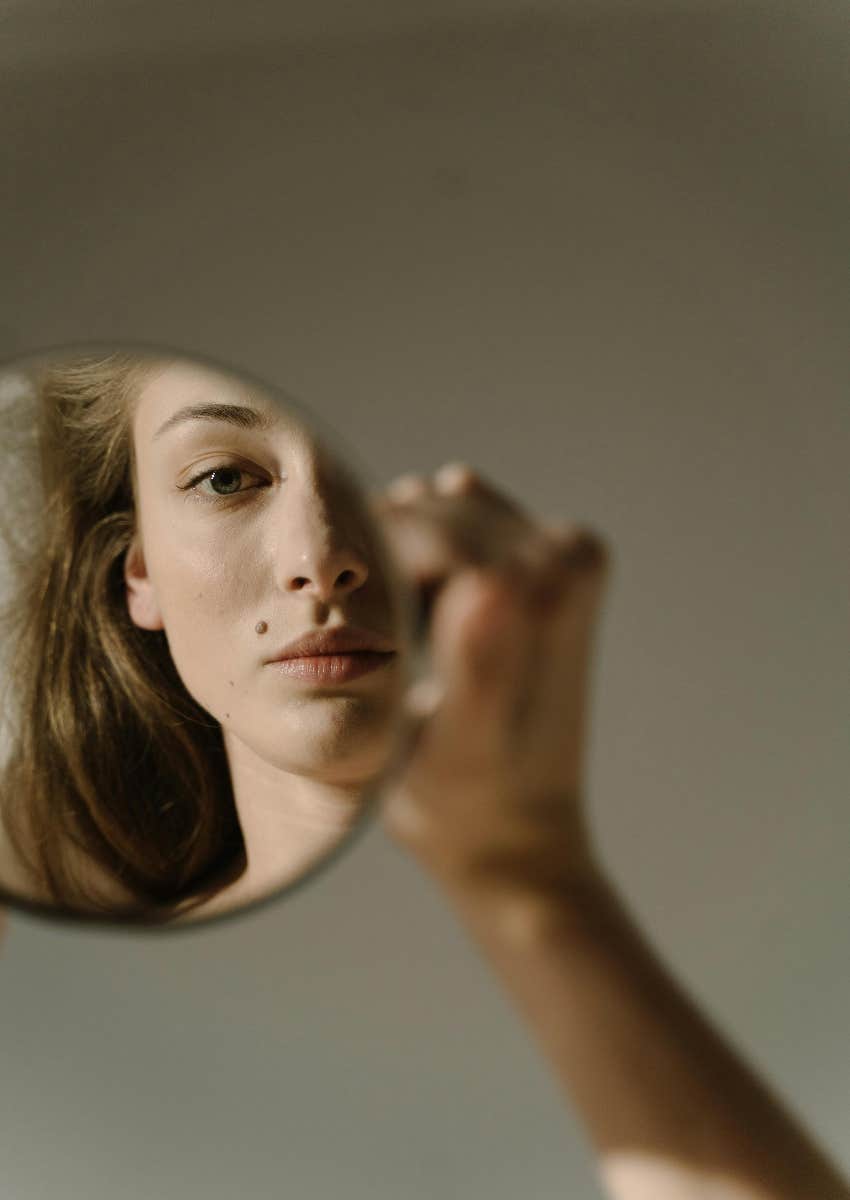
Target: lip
[333,668]
[341,641]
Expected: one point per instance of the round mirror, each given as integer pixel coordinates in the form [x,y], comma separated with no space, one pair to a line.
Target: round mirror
[204,642]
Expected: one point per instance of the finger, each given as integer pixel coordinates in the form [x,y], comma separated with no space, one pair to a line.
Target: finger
[480,639]
[423,698]
[567,606]
[423,550]
[472,521]
[454,479]
[572,560]
[431,540]
[449,730]
[461,479]
[455,495]
[408,487]
[583,546]
[485,522]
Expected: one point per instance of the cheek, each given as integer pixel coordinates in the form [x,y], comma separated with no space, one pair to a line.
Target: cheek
[214,575]
[209,598]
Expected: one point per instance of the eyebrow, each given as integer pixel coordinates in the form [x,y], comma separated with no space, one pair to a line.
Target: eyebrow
[233,414]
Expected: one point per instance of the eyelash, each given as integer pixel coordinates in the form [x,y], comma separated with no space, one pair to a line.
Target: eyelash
[194,484]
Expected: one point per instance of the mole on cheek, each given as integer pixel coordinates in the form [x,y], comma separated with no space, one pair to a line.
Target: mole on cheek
[260,627]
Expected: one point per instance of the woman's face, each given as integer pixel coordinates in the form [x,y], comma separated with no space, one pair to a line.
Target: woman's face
[248,538]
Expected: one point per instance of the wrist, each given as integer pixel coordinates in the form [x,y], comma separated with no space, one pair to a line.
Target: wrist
[526,903]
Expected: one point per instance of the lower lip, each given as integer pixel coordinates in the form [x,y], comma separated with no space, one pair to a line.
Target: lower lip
[333,668]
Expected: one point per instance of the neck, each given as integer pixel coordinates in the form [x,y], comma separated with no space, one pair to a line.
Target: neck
[289,823]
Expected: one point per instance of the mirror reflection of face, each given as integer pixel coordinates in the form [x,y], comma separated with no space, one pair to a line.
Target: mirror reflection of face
[206,639]
[248,539]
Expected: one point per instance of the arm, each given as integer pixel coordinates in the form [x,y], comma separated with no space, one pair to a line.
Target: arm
[671,1110]
[491,803]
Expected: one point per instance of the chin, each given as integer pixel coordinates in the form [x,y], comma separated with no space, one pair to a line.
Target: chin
[346,740]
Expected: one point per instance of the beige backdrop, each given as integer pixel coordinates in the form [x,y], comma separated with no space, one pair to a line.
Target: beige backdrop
[604,257]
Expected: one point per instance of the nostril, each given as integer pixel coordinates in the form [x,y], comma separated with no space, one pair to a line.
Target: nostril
[346,578]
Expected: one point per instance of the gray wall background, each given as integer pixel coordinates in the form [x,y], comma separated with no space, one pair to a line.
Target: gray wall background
[601,252]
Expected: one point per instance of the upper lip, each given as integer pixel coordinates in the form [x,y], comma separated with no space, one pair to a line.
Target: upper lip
[343,639]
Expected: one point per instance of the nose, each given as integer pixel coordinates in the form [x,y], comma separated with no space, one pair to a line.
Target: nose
[328,574]
[319,553]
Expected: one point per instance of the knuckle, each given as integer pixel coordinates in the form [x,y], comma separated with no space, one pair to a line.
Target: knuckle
[585,548]
[456,478]
[410,486]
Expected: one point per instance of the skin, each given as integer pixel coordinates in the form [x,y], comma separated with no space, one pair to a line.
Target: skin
[277,536]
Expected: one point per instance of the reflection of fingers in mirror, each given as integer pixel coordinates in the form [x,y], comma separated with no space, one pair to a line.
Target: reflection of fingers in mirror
[203,650]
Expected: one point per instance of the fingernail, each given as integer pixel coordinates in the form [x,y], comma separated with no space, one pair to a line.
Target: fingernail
[453,477]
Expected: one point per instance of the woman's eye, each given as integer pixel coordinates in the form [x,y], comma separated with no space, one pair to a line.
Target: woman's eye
[224,481]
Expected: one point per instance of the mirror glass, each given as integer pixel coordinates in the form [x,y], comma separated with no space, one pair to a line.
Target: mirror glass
[204,644]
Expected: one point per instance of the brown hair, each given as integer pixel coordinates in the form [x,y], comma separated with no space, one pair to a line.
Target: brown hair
[116,781]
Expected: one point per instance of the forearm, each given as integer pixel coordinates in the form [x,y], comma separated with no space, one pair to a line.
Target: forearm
[670,1108]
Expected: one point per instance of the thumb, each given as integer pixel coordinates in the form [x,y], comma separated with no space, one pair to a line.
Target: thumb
[480,642]
[446,710]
